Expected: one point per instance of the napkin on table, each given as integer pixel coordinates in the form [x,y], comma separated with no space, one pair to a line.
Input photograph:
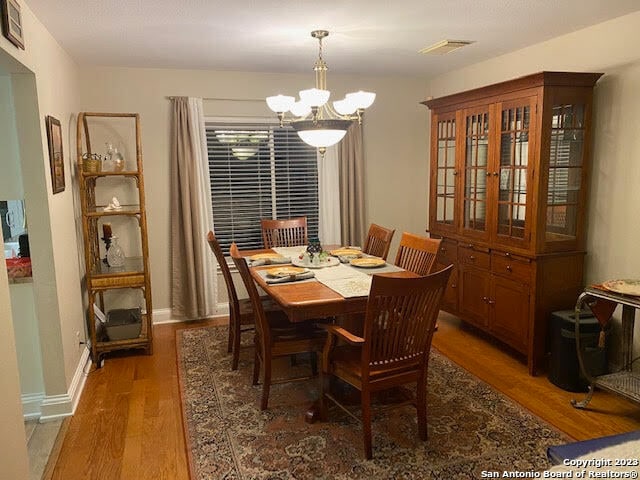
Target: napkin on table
[268,261]
[291,278]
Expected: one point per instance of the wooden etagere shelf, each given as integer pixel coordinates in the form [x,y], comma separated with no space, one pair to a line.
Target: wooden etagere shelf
[104,282]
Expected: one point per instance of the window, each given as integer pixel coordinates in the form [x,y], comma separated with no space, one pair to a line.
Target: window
[259,171]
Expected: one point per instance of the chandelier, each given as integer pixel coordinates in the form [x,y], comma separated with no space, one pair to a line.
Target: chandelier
[317,122]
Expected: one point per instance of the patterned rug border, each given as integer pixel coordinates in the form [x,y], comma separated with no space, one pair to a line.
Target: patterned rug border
[183,414]
[189,434]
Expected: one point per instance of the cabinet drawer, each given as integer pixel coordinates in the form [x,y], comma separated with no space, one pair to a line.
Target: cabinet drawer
[511,266]
[472,256]
[448,251]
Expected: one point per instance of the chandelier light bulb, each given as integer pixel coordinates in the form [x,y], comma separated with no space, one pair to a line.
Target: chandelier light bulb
[280,103]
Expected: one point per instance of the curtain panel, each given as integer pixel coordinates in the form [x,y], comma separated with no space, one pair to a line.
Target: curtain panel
[193,283]
[352,206]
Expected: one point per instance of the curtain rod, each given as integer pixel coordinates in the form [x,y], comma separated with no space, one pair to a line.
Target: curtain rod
[218,99]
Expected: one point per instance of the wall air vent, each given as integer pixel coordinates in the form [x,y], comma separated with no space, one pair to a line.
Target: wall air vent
[445,46]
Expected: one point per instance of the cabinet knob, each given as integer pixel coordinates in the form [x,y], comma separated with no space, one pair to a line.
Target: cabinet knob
[472,258]
[491,302]
[455,172]
[509,268]
[496,174]
[453,285]
[508,255]
[443,250]
[485,299]
[488,174]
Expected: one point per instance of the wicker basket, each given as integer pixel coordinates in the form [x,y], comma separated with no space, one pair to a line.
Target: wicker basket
[91,163]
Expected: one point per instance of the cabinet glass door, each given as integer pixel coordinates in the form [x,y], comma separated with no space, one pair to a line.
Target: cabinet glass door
[476,159]
[445,175]
[512,172]
[565,172]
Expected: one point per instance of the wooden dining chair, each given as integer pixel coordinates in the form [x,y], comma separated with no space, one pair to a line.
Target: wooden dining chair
[275,336]
[378,241]
[394,349]
[241,317]
[284,233]
[417,254]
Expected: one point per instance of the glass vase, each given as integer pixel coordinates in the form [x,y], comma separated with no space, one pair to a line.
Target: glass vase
[115,254]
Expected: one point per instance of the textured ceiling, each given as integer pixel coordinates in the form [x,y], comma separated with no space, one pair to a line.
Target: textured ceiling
[367,36]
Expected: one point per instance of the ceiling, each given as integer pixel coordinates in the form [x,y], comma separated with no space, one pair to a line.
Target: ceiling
[373,37]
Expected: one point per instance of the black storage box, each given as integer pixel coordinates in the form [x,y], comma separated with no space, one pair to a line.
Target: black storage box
[564,369]
[123,323]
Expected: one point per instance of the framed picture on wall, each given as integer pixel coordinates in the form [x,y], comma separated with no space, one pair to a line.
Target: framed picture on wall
[12,22]
[56,158]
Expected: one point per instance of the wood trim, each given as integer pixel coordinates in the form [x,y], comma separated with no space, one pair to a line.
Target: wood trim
[540,79]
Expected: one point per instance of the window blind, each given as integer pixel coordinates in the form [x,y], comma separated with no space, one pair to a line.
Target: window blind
[259,171]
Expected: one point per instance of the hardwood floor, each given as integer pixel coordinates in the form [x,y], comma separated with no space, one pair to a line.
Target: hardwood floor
[128,424]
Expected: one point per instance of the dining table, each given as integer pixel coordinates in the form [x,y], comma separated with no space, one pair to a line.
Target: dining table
[313,298]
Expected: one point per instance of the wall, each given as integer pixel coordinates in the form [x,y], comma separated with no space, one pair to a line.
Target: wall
[394,136]
[43,82]
[614,196]
[11,178]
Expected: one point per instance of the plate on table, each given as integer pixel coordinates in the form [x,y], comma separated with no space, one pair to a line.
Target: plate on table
[344,252]
[368,262]
[288,271]
[265,256]
[325,262]
[626,287]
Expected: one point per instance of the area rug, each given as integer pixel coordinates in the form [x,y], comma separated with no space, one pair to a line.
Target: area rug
[471,427]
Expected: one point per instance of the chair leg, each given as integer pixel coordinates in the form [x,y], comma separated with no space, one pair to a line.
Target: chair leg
[421,407]
[324,387]
[313,359]
[231,336]
[266,385]
[236,345]
[256,365]
[366,423]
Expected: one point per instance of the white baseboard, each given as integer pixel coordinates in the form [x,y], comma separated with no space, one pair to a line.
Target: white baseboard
[31,405]
[163,315]
[54,407]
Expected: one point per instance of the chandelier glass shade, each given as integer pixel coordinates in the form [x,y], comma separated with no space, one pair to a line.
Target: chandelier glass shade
[317,121]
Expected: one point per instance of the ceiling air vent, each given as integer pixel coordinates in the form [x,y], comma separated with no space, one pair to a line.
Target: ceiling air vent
[445,46]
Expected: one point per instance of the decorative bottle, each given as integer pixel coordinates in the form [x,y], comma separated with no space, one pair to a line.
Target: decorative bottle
[107,161]
[314,248]
[118,160]
[113,159]
[115,254]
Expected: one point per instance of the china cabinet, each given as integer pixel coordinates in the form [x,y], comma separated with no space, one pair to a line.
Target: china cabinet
[508,186]
[115,233]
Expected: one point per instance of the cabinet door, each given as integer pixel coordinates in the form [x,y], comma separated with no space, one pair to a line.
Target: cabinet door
[444,173]
[476,154]
[448,255]
[566,173]
[450,299]
[509,315]
[512,172]
[474,295]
